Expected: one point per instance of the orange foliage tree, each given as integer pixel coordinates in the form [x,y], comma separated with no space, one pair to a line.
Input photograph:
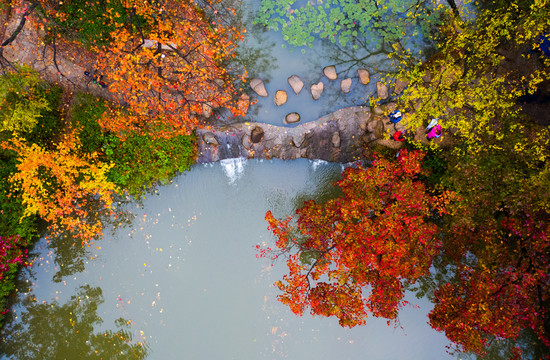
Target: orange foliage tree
[374,237]
[165,64]
[60,185]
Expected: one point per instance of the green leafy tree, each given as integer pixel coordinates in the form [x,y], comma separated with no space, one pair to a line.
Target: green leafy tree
[140,160]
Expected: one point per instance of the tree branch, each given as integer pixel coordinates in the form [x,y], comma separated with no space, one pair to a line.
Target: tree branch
[20,26]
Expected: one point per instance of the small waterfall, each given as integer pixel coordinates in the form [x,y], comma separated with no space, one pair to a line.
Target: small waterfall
[233,168]
[316,163]
[229,146]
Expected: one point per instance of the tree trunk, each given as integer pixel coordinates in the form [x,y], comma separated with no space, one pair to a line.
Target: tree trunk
[20,26]
[454,8]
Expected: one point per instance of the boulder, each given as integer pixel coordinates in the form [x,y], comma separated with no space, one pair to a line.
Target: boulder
[400,85]
[209,138]
[317,90]
[427,77]
[364,76]
[382,90]
[330,72]
[292,118]
[258,86]
[378,110]
[379,129]
[280,97]
[207,109]
[335,140]
[296,83]
[345,85]
[371,126]
[390,107]
[256,135]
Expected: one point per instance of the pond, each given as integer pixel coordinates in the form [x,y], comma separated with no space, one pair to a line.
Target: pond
[266,56]
[184,279]
[181,279]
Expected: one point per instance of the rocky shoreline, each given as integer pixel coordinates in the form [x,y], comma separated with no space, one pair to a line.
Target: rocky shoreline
[343,136]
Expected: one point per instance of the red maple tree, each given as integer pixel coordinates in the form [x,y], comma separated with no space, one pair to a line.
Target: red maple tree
[372,239]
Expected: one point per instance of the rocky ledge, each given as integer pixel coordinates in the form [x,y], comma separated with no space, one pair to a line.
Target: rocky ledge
[338,137]
[343,136]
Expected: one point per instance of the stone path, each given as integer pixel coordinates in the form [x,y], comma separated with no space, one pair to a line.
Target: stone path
[258,86]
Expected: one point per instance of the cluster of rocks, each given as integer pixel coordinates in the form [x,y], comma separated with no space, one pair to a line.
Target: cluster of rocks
[343,136]
[297,84]
[336,137]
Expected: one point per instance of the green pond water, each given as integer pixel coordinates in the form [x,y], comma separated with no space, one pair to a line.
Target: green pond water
[183,279]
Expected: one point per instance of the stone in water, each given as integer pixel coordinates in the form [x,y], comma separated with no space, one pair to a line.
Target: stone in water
[317,90]
[280,97]
[345,85]
[330,72]
[296,83]
[258,86]
[364,76]
[292,118]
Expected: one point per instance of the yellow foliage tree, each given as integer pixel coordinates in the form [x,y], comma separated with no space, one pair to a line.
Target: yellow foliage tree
[61,185]
[20,101]
[471,83]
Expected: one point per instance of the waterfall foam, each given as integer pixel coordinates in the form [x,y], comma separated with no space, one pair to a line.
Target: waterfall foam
[316,163]
[233,168]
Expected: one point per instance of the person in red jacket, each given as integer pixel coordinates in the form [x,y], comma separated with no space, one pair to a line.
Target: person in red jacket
[398,136]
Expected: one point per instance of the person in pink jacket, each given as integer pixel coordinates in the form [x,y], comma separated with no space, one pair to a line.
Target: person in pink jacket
[434,132]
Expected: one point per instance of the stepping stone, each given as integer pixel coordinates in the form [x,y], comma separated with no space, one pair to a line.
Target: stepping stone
[382,90]
[400,85]
[296,83]
[280,97]
[364,76]
[292,118]
[258,86]
[345,85]
[330,72]
[317,90]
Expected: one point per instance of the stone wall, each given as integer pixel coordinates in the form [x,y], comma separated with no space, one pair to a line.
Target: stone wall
[337,137]
[343,136]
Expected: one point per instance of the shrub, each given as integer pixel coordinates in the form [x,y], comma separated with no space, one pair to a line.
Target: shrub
[49,125]
[141,160]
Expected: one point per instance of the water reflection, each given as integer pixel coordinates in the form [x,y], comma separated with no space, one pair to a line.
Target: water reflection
[69,259]
[50,330]
[186,278]
[266,56]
